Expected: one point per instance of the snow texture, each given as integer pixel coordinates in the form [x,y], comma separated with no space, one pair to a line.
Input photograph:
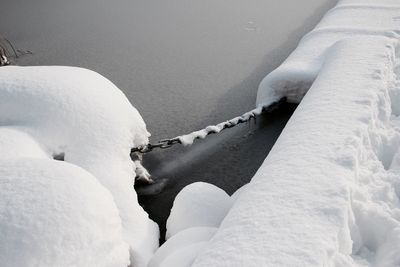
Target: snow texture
[198,204]
[56,214]
[175,247]
[198,211]
[188,139]
[328,193]
[50,111]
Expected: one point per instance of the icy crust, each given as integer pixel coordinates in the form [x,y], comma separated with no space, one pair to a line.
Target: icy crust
[56,214]
[328,193]
[82,115]
[350,18]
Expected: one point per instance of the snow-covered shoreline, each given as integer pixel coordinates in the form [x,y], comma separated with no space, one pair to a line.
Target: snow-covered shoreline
[328,193]
[50,110]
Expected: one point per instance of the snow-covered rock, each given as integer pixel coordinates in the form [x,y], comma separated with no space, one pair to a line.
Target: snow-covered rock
[198,205]
[328,193]
[56,214]
[79,113]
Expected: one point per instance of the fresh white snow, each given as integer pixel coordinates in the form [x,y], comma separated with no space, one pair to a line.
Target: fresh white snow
[47,111]
[328,193]
[198,204]
[176,245]
[197,212]
[188,139]
[54,213]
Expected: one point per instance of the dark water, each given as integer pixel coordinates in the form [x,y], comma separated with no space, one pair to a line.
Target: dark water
[228,160]
[183,64]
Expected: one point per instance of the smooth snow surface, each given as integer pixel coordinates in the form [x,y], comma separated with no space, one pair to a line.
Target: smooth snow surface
[198,211]
[56,214]
[350,18]
[198,204]
[328,193]
[17,144]
[48,111]
[175,245]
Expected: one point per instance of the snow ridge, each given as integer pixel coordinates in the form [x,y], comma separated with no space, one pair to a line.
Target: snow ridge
[328,194]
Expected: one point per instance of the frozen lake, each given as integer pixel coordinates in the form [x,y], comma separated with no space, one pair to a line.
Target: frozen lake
[183,64]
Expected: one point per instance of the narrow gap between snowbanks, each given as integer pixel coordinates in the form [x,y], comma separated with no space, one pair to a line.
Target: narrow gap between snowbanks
[211,160]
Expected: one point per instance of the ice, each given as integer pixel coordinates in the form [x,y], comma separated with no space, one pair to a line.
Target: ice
[53,213]
[82,115]
[198,205]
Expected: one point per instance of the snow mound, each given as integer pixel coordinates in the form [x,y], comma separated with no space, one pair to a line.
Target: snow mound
[17,144]
[239,192]
[174,247]
[184,257]
[56,214]
[197,212]
[328,193]
[198,204]
[80,114]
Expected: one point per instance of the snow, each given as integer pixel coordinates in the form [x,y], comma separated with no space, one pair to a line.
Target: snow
[347,20]
[47,111]
[56,214]
[198,205]
[175,247]
[17,144]
[239,192]
[184,256]
[188,139]
[197,212]
[328,193]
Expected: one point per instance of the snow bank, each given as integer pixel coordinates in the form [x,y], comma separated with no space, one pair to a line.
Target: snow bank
[350,18]
[328,193]
[79,113]
[56,214]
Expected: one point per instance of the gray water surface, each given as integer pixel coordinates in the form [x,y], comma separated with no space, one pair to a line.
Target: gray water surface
[183,64]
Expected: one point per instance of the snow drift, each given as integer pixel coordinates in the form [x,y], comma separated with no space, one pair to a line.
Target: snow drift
[328,193]
[57,214]
[77,113]
[197,212]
